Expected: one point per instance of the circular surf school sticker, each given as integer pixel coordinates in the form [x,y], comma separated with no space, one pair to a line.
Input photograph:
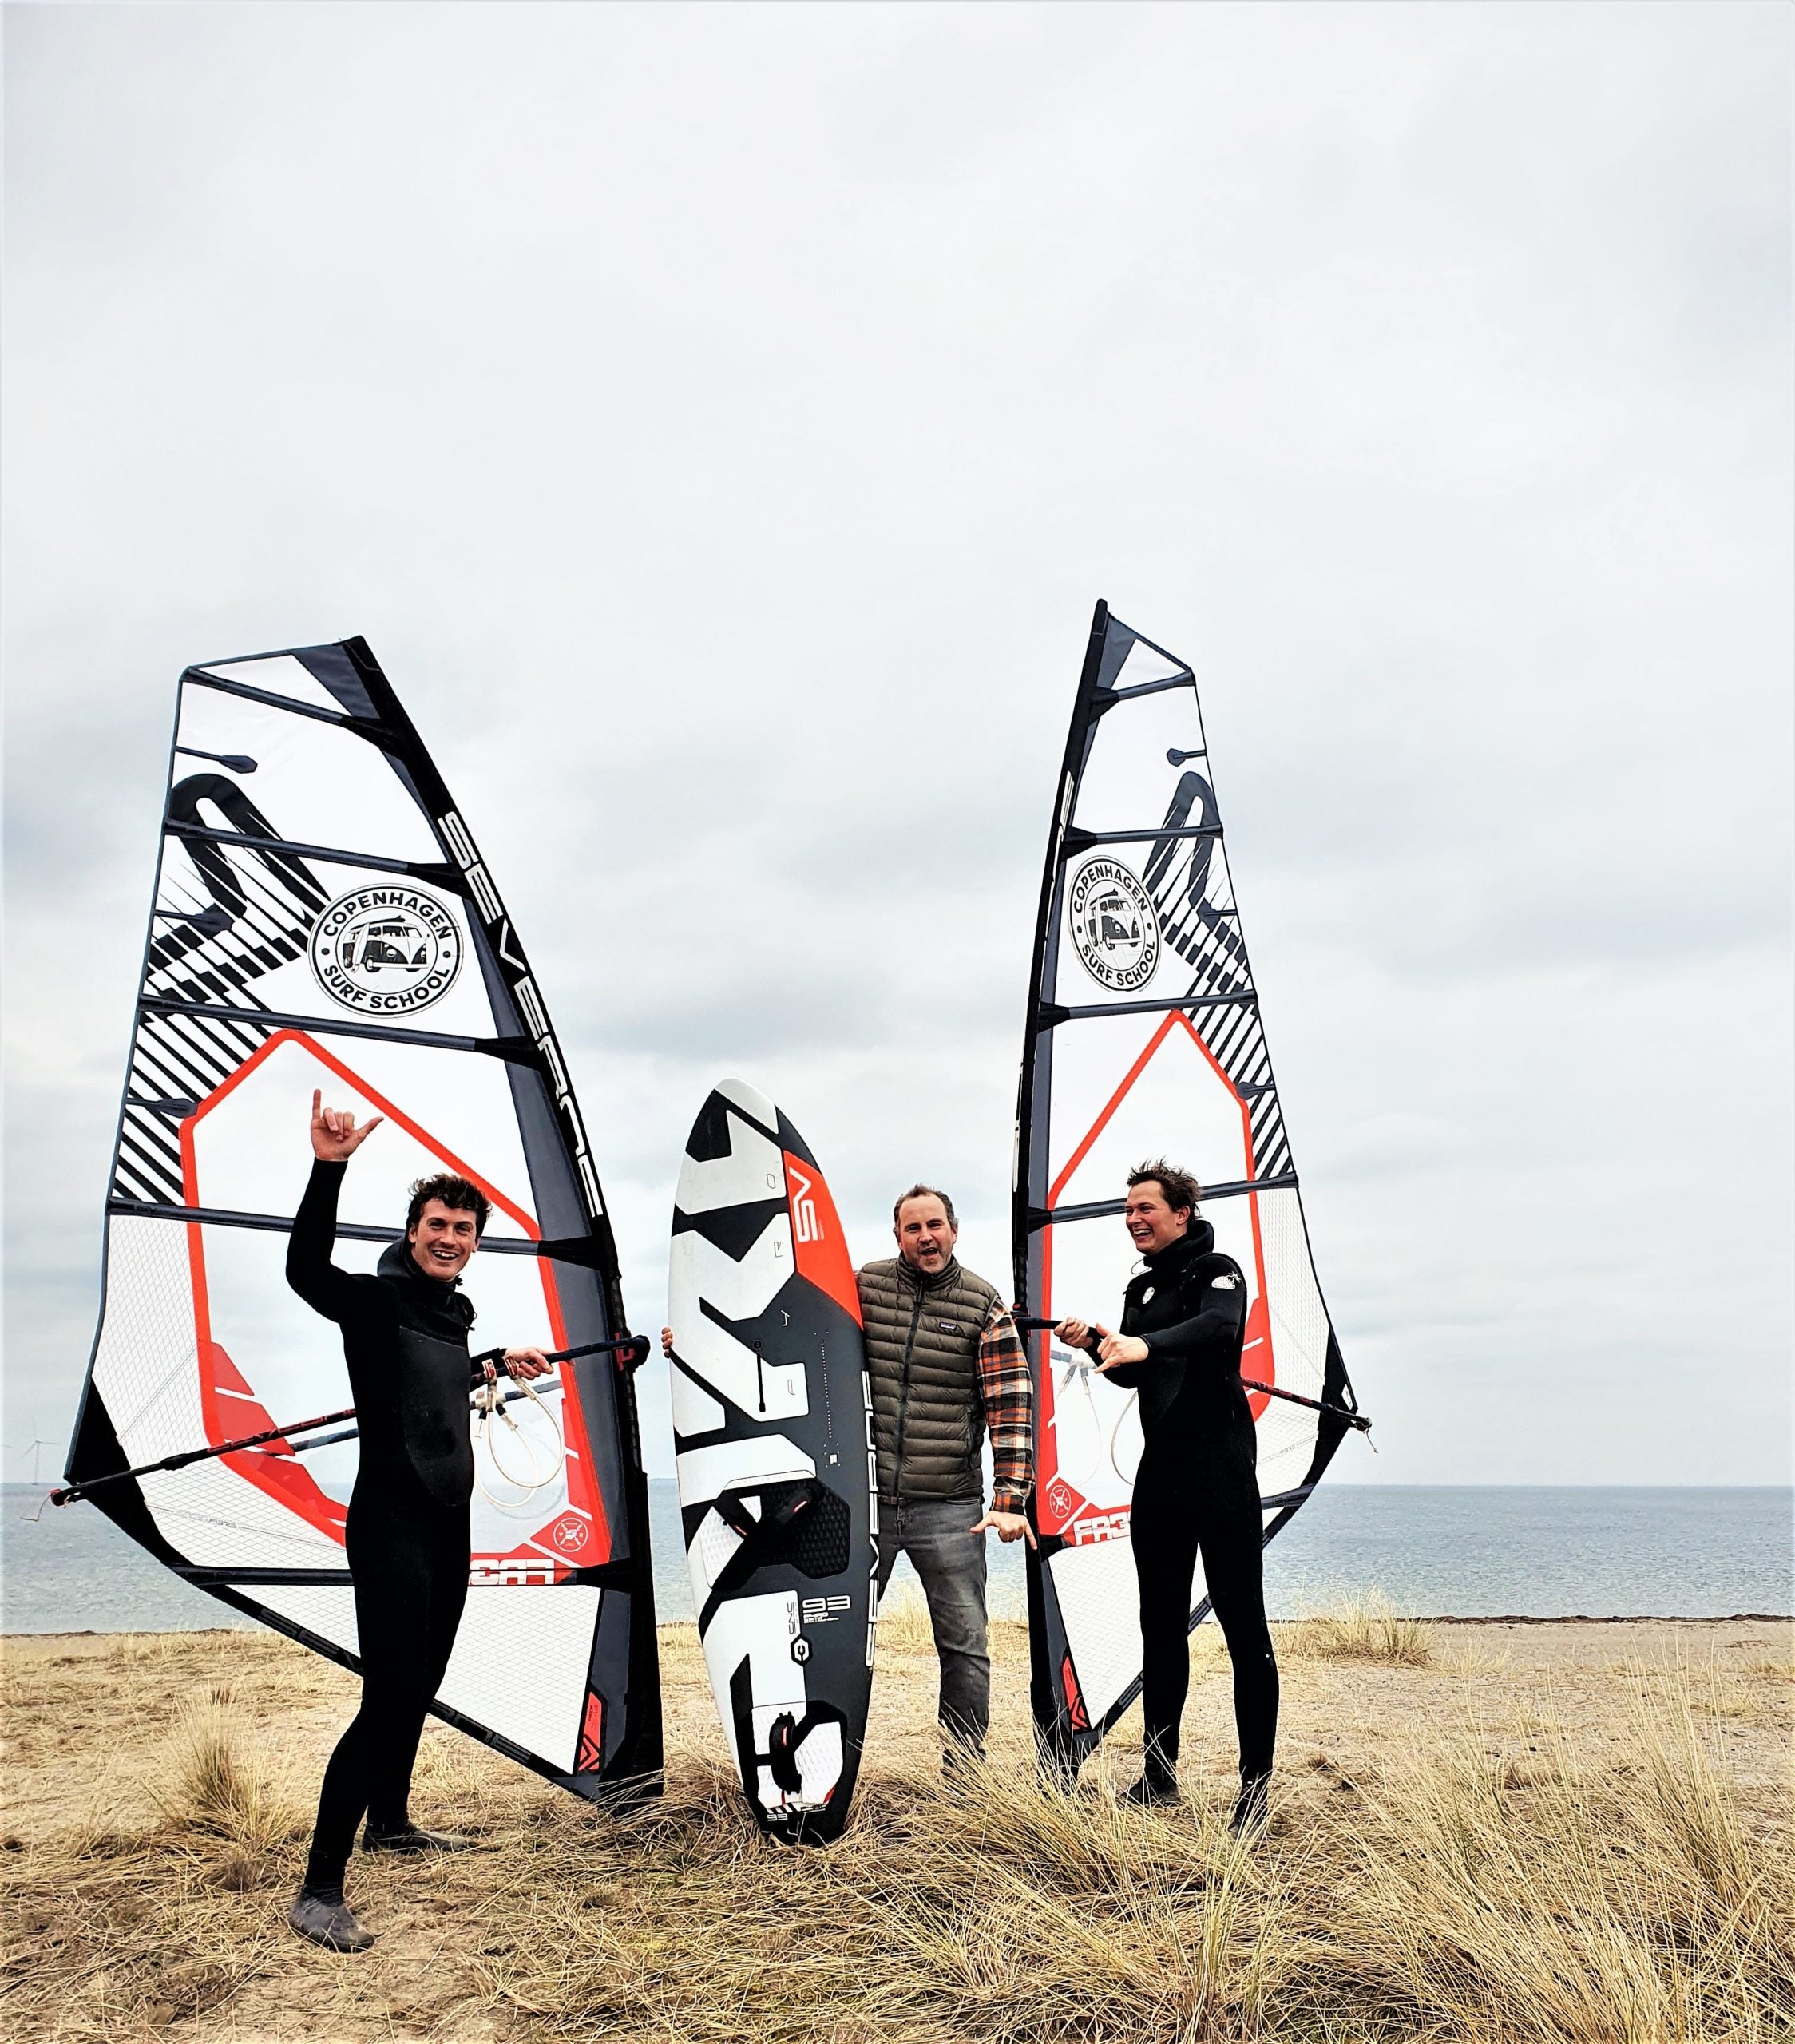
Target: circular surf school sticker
[386,950]
[1113,926]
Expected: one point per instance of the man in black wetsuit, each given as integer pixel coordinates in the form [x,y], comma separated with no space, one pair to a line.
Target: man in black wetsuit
[1197,1487]
[405,1339]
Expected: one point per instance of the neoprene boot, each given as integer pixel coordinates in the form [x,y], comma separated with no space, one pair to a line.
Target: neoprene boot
[1158,1785]
[1252,1806]
[328,1920]
[413,1838]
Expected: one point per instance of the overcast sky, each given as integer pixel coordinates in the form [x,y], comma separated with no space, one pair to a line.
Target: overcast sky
[721,421]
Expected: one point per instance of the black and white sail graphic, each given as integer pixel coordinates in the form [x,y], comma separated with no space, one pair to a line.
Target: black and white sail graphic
[323,920]
[1144,1039]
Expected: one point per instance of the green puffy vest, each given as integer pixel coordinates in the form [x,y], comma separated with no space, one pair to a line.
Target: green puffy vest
[922,1342]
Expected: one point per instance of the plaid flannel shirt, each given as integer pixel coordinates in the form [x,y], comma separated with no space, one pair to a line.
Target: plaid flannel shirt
[1007,1389]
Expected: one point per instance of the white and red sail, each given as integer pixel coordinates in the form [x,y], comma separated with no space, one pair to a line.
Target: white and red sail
[323,920]
[1144,1039]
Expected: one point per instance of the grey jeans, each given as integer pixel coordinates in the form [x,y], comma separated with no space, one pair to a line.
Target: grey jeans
[951,1563]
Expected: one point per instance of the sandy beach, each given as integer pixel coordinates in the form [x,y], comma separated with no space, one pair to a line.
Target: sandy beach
[1452,1800]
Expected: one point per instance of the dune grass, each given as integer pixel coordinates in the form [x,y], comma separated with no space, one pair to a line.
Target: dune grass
[208,1788]
[1473,1901]
[1359,1628]
[904,1623]
[1608,1909]
[1488,1877]
[124,1936]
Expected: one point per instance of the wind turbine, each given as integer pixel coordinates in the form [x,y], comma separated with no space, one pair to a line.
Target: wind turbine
[34,1448]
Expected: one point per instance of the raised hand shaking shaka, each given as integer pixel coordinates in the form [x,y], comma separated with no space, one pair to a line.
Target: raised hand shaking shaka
[334,1137]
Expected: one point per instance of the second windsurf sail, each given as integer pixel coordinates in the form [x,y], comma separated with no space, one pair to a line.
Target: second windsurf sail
[1144,1040]
[323,921]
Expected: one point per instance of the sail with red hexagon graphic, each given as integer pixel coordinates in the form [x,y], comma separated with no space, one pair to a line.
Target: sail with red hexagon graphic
[1144,1040]
[324,922]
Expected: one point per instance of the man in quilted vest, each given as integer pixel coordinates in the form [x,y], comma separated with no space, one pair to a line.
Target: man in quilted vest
[947,1366]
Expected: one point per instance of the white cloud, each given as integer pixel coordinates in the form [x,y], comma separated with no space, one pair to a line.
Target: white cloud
[721,421]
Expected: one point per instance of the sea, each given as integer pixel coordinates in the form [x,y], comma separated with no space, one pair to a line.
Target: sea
[1436,1551]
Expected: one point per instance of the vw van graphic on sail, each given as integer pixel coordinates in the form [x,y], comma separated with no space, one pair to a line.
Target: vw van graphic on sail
[1113,929]
[386,950]
[396,942]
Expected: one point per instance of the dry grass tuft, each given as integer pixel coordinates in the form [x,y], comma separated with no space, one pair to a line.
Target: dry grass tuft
[986,1909]
[1359,1629]
[1757,1694]
[148,1649]
[120,1944]
[904,1623]
[1583,1912]
[1028,1913]
[1589,1860]
[207,1789]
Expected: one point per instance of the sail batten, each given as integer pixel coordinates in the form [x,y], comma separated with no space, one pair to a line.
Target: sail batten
[518,1048]
[323,920]
[438,876]
[1145,1039]
[281,1224]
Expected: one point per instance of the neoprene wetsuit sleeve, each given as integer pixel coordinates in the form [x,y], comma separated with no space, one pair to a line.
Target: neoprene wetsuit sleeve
[310,1271]
[1129,1376]
[1213,1334]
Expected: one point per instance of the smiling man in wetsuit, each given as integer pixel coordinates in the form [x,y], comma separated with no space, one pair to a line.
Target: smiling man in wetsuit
[1197,1488]
[405,1339]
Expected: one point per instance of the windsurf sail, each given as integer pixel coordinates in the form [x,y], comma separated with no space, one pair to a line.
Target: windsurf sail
[323,920]
[1144,1039]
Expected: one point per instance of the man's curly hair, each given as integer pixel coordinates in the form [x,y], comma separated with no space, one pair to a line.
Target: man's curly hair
[1179,1188]
[452,1192]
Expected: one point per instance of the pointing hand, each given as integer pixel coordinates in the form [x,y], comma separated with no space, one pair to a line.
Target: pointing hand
[1008,1526]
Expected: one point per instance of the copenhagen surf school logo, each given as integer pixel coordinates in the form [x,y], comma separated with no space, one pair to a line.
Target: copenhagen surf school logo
[1114,928]
[386,950]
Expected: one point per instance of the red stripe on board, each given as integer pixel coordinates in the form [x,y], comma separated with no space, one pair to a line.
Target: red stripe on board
[819,1244]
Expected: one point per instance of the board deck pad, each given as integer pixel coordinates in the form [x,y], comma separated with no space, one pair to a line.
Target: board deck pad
[778,1487]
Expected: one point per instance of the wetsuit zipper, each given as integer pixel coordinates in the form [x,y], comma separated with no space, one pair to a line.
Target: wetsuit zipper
[904,1391]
